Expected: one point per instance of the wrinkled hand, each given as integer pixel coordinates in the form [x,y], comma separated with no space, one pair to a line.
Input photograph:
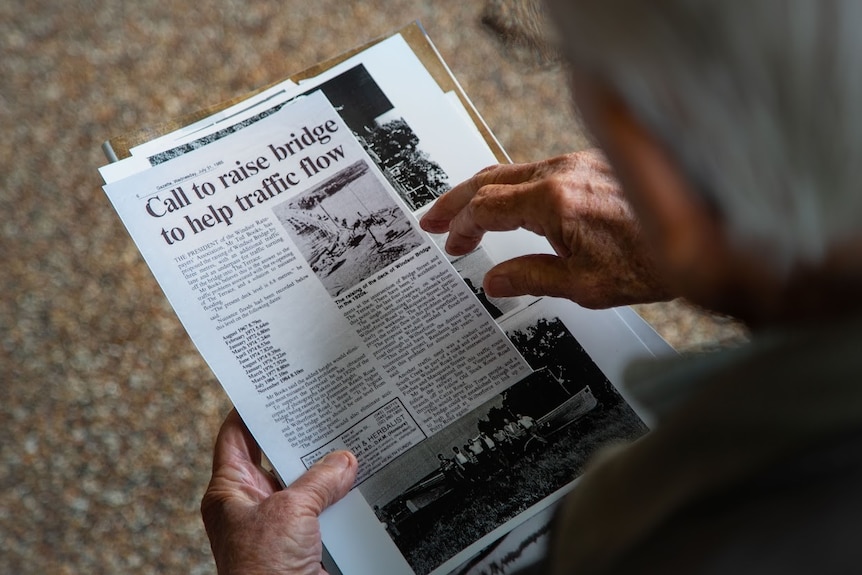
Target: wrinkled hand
[253,526]
[576,203]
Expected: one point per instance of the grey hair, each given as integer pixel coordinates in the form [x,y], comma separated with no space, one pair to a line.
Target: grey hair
[760,102]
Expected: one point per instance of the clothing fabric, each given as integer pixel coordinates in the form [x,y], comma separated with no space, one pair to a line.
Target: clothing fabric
[461,458]
[754,465]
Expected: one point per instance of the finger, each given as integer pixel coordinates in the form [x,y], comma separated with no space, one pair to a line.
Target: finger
[237,478]
[325,482]
[536,206]
[235,445]
[538,275]
[436,220]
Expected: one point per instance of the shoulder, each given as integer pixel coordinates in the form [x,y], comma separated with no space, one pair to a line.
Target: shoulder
[757,471]
[802,516]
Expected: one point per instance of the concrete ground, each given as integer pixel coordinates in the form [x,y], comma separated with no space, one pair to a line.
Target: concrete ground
[108,412]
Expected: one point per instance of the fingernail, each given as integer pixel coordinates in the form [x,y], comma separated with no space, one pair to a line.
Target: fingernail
[434,226]
[499,286]
[336,459]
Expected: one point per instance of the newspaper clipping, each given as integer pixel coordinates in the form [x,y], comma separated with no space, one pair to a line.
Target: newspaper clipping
[287,242]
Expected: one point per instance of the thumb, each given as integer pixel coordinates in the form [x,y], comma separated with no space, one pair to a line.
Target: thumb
[538,275]
[326,481]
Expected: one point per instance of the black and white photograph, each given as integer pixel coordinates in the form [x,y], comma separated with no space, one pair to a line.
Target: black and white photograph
[515,551]
[386,136]
[507,455]
[348,228]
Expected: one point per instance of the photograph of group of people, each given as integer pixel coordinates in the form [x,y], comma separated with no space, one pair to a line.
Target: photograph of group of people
[490,452]
[506,455]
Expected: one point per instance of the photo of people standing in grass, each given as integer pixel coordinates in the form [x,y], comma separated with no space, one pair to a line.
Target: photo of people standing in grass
[507,455]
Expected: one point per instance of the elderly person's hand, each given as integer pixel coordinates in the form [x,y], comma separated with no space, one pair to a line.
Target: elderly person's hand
[254,527]
[577,204]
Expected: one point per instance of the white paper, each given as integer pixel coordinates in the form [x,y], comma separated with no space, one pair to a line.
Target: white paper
[333,322]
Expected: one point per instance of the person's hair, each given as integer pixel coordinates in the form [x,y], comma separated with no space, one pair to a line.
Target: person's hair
[759,102]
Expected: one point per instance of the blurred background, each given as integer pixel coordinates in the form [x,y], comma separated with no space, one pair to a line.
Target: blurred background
[108,413]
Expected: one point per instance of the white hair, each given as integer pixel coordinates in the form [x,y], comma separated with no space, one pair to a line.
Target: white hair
[760,102]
